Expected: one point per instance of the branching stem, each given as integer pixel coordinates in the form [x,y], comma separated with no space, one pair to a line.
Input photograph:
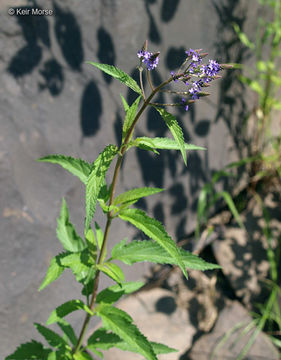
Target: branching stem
[122,151]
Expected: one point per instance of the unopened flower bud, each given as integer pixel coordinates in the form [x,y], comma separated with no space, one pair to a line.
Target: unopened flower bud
[226,66]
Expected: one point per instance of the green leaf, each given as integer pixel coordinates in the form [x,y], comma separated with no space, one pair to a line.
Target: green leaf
[82,356]
[161,348]
[253,84]
[113,271]
[164,143]
[202,207]
[243,37]
[67,308]
[30,351]
[113,293]
[77,167]
[157,348]
[52,337]
[262,66]
[89,282]
[125,104]
[130,116]
[92,243]
[99,235]
[116,322]
[54,271]
[66,232]
[118,74]
[232,207]
[68,331]
[147,250]
[80,263]
[104,340]
[60,355]
[243,161]
[96,181]
[155,230]
[111,310]
[175,129]
[132,196]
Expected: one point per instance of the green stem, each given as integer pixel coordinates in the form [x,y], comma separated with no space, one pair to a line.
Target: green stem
[260,326]
[109,215]
[141,82]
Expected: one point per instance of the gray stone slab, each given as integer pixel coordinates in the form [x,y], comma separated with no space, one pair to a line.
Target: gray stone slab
[52,102]
[226,339]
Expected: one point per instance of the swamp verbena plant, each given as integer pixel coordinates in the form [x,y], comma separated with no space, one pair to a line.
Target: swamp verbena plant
[87,257]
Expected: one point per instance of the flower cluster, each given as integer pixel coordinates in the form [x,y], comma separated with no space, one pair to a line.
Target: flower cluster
[151,60]
[204,73]
[192,72]
[210,70]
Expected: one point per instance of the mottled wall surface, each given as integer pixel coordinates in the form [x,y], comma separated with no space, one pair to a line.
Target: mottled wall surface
[53,102]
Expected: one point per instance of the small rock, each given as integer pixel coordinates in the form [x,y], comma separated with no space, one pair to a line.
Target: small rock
[219,346]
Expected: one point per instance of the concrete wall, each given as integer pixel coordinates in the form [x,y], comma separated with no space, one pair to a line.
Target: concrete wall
[52,102]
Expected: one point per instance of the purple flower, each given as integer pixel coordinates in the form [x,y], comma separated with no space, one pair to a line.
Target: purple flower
[151,60]
[195,89]
[210,70]
[194,55]
[174,76]
[183,102]
[194,93]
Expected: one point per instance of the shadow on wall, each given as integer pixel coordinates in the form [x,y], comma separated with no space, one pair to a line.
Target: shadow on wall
[232,91]
[36,33]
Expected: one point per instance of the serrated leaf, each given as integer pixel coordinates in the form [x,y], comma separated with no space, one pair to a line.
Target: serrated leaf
[113,293]
[113,271]
[147,250]
[104,340]
[161,348]
[157,348]
[80,263]
[54,271]
[99,235]
[96,181]
[104,193]
[125,104]
[68,331]
[133,195]
[155,230]
[165,143]
[32,350]
[175,129]
[60,355]
[51,337]
[67,308]
[130,116]
[66,232]
[77,167]
[92,243]
[118,74]
[111,310]
[126,330]
[82,356]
